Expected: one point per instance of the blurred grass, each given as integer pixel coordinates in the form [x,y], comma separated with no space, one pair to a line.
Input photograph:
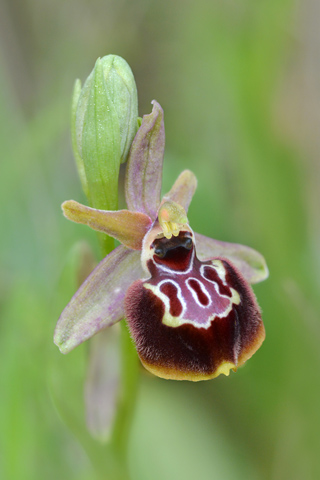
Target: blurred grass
[218,70]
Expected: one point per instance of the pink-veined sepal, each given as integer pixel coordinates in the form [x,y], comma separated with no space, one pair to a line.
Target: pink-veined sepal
[99,301]
[144,166]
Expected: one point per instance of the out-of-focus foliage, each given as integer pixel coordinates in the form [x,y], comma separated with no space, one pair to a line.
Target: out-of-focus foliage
[237,81]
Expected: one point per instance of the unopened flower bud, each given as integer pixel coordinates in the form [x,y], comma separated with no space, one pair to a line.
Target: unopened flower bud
[104,123]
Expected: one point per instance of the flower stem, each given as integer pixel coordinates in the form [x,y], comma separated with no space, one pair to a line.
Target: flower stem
[118,445]
[128,394]
[106,244]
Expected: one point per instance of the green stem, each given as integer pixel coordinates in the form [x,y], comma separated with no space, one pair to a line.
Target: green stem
[106,244]
[118,445]
[128,394]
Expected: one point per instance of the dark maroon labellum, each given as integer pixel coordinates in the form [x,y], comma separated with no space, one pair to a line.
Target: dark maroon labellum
[192,320]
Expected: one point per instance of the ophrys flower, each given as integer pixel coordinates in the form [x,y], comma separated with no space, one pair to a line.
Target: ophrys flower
[186,298]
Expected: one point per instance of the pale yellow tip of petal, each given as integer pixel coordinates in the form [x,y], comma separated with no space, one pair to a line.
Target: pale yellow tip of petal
[225,368]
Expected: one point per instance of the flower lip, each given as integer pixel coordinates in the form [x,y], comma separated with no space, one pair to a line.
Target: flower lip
[179,335]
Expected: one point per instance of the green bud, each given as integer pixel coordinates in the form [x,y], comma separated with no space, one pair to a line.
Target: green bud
[77,156]
[104,123]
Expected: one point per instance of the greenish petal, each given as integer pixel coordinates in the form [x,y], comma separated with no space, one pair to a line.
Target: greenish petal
[127,227]
[182,190]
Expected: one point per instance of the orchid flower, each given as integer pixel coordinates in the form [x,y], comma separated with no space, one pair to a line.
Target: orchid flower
[186,298]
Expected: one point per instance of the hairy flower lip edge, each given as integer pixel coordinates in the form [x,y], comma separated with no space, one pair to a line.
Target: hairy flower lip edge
[223,369]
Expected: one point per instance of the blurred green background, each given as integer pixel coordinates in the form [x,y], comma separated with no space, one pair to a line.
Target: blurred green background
[239,84]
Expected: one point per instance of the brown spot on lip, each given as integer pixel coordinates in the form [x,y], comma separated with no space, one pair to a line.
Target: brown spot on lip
[171,292]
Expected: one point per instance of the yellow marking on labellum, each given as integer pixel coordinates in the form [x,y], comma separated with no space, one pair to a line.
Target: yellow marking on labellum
[173,374]
[225,368]
[221,271]
[172,217]
[167,319]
